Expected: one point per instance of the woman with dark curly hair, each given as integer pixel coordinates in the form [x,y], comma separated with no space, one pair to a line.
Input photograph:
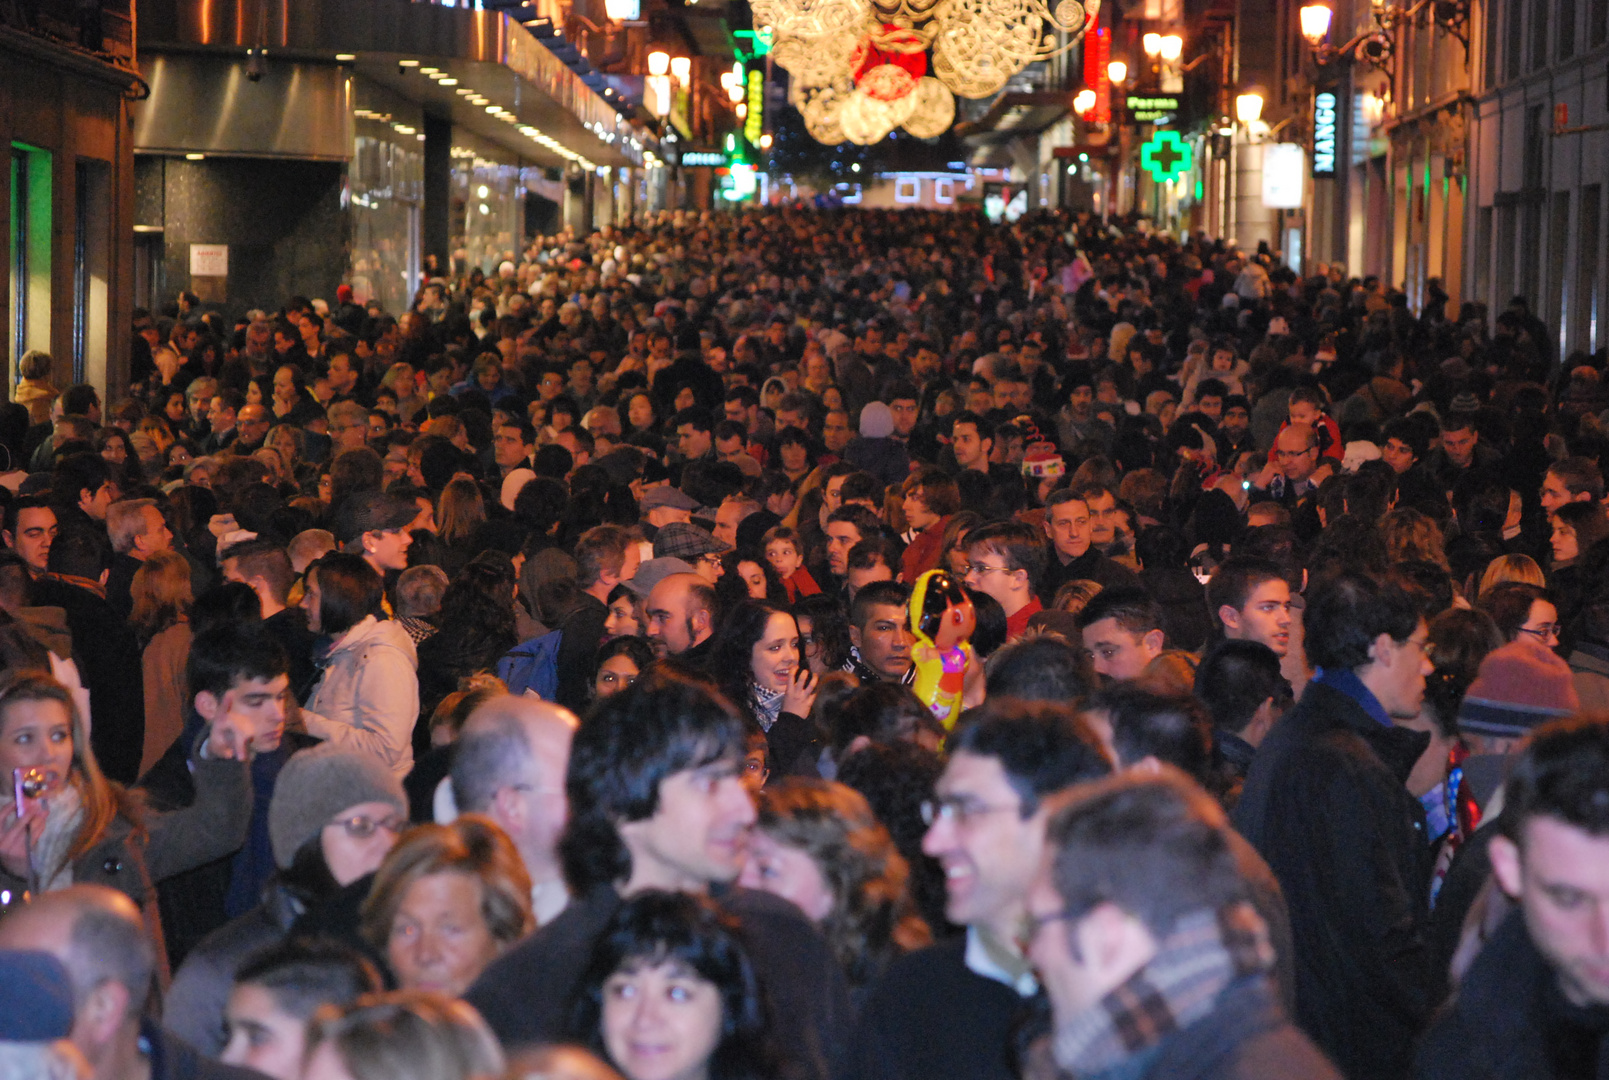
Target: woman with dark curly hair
[818,845]
[476,628]
[758,663]
[672,995]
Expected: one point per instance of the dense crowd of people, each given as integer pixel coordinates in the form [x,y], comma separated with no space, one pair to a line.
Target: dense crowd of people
[813,645]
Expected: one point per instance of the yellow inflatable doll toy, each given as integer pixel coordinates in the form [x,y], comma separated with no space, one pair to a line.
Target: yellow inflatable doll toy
[942,622]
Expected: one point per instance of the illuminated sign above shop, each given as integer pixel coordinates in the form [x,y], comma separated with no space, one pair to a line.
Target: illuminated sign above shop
[1151,110]
[1324,128]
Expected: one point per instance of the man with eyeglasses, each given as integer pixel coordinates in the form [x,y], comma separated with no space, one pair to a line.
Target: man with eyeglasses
[1326,804]
[1146,933]
[699,547]
[509,765]
[1289,477]
[252,423]
[1005,560]
[950,1009]
[349,427]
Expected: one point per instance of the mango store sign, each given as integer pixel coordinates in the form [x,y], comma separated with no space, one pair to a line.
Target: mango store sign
[1324,129]
[1282,176]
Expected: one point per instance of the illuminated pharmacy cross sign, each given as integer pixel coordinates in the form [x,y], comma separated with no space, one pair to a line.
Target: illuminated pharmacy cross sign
[1166,157]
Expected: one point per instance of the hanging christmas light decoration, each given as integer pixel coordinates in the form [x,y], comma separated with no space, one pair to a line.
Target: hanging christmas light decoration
[858,69]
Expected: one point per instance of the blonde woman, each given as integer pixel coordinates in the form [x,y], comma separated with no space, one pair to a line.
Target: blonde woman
[1520,569]
[447,901]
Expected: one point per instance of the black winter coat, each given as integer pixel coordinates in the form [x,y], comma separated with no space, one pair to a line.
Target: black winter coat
[1508,1021]
[1325,803]
[110,667]
[528,993]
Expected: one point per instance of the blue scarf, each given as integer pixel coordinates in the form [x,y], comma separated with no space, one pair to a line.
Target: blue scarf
[1346,681]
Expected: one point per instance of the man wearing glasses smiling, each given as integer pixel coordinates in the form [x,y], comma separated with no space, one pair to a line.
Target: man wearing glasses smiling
[948,1010]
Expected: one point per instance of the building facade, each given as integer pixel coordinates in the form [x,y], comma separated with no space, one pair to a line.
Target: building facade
[67,88]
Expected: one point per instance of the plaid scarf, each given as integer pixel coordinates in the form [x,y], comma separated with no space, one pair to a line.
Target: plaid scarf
[767,705]
[1205,953]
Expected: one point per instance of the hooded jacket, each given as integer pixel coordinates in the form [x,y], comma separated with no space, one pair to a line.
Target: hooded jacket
[368,695]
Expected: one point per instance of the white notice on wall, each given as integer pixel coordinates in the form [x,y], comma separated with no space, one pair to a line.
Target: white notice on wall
[209,260]
[1283,173]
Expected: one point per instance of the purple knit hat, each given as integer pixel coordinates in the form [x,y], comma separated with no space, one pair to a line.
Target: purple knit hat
[1519,686]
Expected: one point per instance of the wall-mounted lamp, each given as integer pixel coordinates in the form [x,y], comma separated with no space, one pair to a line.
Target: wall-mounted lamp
[658,62]
[682,68]
[1117,72]
[1084,102]
[1377,44]
[1249,107]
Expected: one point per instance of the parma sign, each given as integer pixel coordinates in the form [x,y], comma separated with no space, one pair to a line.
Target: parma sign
[1152,110]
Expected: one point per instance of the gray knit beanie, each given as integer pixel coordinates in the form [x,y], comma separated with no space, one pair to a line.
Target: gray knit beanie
[318,783]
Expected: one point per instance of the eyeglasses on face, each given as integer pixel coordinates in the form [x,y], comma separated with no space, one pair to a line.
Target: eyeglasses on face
[959,811]
[361,826]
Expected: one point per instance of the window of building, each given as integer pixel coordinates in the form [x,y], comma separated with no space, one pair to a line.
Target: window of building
[1503,257]
[1598,23]
[1589,231]
[907,189]
[1564,44]
[92,257]
[944,191]
[29,223]
[1483,253]
[1494,12]
[1540,9]
[1514,43]
[1559,242]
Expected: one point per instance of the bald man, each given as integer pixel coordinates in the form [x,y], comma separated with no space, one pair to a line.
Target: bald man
[99,936]
[509,764]
[1292,476]
[681,613]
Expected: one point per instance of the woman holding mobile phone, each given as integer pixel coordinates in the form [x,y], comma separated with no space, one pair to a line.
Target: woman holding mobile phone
[77,827]
[759,663]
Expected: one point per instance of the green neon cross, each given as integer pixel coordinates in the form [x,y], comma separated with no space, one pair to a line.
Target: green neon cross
[1166,156]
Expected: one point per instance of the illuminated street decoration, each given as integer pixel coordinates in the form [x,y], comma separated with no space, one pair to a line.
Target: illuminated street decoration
[861,68]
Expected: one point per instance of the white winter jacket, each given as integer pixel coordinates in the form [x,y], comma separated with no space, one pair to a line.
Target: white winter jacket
[368,697]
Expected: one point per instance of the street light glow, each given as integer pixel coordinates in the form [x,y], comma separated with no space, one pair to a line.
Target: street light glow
[1172,47]
[1117,71]
[1316,22]
[1249,107]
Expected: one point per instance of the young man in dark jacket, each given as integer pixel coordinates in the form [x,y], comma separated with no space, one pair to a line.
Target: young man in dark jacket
[1534,1005]
[657,802]
[1326,804]
[1148,940]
